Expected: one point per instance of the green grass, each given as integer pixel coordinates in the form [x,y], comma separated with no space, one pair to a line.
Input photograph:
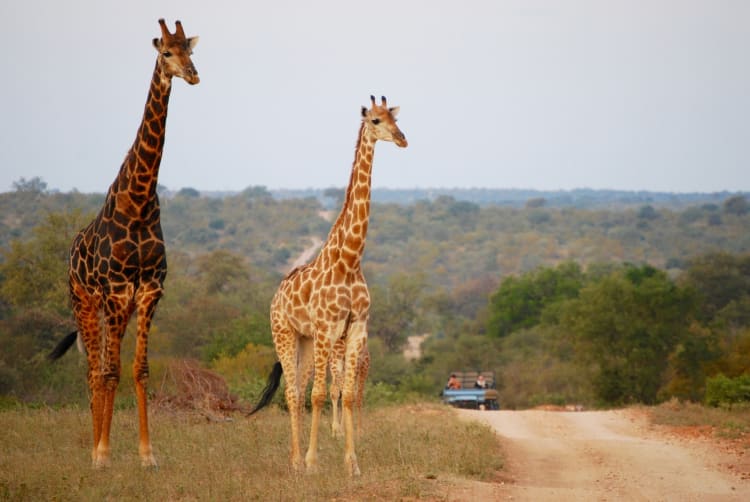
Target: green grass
[403,452]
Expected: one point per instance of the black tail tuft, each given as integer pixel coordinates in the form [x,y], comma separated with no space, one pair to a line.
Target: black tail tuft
[274,379]
[63,346]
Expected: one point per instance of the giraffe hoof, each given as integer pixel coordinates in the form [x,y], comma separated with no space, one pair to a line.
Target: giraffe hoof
[149,463]
[352,466]
[298,466]
[311,466]
[336,431]
[100,463]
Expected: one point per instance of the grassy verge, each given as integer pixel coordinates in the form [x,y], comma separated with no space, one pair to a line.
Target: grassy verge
[403,452]
[727,423]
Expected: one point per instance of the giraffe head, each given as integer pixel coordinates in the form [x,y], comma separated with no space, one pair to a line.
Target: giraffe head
[174,53]
[381,121]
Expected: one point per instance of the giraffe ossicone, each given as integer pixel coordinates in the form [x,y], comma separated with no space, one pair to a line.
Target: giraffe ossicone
[326,302]
[118,262]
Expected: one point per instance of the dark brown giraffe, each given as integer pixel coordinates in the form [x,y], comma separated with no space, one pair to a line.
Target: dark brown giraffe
[327,300]
[118,263]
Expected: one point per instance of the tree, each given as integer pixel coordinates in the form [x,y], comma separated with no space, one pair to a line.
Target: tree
[256,192]
[34,185]
[647,212]
[222,271]
[536,202]
[35,272]
[719,278]
[393,309]
[627,324]
[336,195]
[520,301]
[189,192]
[736,205]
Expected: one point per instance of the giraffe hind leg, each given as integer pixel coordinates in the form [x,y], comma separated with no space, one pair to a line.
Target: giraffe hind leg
[146,302]
[117,313]
[363,368]
[86,309]
[287,348]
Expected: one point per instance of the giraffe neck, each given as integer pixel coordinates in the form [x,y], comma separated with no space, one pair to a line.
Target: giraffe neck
[139,173]
[346,241]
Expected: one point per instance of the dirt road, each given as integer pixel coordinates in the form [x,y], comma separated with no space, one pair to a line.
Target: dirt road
[608,455]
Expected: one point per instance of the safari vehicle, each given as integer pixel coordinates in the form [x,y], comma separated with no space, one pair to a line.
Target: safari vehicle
[469,396]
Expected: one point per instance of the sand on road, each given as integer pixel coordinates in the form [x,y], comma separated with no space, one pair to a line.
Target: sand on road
[606,455]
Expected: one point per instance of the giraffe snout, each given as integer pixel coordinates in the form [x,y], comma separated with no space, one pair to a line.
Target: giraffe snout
[192,78]
[191,75]
[400,140]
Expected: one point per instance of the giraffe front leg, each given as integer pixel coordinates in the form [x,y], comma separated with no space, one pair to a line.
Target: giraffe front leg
[322,349]
[356,340]
[146,305]
[96,385]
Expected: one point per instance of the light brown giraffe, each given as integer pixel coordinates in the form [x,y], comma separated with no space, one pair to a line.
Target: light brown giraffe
[327,300]
[118,263]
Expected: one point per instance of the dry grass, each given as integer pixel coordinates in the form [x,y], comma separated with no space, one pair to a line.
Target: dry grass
[724,420]
[404,452]
[722,423]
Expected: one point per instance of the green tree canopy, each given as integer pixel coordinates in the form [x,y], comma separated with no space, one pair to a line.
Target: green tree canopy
[35,272]
[627,324]
[520,301]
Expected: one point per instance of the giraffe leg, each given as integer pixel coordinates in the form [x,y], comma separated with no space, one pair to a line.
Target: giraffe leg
[287,348]
[146,305]
[96,386]
[306,368]
[363,369]
[322,350]
[337,378]
[354,344]
[86,309]
[117,312]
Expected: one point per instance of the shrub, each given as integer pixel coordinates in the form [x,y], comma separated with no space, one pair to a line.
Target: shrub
[724,391]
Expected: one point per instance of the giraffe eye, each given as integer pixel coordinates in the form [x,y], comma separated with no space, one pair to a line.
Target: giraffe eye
[166,54]
[376,121]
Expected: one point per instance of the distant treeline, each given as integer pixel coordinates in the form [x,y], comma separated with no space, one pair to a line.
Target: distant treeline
[580,198]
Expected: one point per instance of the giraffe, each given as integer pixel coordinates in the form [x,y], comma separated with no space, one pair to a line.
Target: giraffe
[118,262]
[327,300]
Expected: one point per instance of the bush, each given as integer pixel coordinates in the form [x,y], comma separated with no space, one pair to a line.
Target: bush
[724,391]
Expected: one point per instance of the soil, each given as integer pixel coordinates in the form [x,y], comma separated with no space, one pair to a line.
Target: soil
[607,456]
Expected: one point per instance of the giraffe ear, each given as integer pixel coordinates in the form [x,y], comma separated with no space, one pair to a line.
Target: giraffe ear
[394,111]
[157,44]
[192,42]
[364,111]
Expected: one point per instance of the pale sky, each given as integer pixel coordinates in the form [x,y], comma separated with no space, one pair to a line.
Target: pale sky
[545,94]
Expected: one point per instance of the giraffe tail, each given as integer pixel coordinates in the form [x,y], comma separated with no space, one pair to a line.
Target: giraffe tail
[274,379]
[63,346]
